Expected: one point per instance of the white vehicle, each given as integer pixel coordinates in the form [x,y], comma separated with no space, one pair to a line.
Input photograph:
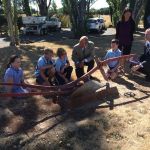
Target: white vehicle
[34,25]
[102,22]
[95,24]
[38,25]
[54,23]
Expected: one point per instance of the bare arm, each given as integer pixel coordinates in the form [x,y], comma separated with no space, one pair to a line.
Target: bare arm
[42,70]
[63,76]
[46,67]
[66,65]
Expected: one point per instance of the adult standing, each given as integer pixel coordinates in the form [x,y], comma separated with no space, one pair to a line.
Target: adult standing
[83,55]
[124,31]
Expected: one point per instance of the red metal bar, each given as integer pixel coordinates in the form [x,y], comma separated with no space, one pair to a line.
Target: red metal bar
[101,69]
[51,93]
[62,89]
[41,87]
[116,58]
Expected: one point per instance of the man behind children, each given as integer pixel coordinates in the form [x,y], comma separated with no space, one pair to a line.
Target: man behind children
[83,55]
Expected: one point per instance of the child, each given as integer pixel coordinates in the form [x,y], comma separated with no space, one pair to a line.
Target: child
[14,74]
[113,65]
[45,69]
[144,60]
[63,67]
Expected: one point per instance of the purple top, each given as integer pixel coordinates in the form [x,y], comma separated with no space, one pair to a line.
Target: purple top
[124,33]
[17,76]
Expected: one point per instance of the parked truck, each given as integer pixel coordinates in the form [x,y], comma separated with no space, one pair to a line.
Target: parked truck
[54,23]
[40,25]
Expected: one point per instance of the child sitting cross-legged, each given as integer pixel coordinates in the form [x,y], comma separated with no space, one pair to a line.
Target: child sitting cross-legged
[114,66]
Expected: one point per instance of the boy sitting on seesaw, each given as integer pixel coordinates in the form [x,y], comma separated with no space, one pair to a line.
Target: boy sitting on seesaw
[114,66]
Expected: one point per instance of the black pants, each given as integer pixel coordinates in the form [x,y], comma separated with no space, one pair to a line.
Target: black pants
[145,70]
[126,49]
[68,72]
[80,71]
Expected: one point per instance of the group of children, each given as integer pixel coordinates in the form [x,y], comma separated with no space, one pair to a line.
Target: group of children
[48,70]
[57,72]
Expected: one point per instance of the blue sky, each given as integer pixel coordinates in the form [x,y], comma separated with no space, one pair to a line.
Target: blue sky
[99,4]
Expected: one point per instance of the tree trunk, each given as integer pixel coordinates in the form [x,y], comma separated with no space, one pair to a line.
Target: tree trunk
[81,17]
[132,4]
[43,7]
[78,15]
[147,15]
[15,23]
[138,10]
[123,5]
[26,7]
[9,17]
[88,7]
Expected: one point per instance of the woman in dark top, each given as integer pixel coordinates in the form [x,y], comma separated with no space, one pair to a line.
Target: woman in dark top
[124,31]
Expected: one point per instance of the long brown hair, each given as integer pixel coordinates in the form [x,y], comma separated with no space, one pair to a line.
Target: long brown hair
[12,59]
[126,10]
[60,52]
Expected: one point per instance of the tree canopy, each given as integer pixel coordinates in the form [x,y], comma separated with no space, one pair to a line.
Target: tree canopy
[78,10]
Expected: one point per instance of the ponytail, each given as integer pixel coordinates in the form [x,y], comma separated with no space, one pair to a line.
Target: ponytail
[11,60]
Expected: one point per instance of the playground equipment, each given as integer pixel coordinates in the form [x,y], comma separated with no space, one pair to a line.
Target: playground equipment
[75,99]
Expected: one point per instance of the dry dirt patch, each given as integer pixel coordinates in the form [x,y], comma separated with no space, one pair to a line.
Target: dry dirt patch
[29,121]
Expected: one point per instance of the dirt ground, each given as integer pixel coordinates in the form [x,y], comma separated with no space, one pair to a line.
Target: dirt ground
[35,123]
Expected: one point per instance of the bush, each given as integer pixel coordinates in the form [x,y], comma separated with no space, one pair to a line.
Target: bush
[65,20]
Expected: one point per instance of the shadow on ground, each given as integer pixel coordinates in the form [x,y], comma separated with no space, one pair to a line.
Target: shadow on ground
[96,131]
